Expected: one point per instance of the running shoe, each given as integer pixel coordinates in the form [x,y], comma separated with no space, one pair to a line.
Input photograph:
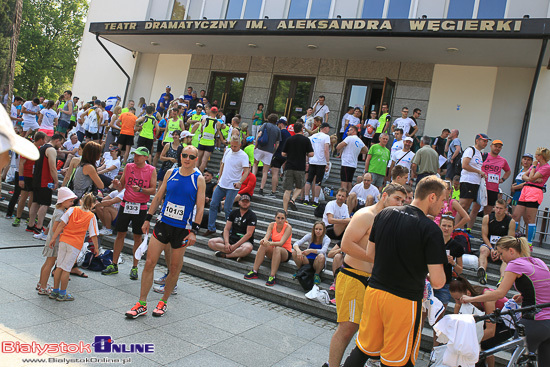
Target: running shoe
[65,297]
[16,222]
[499,281]
[482,276]
[44,292]
[110,269]
[160,289]
[160,310]
[373,363]
[134,273]
[136,311]
[270,282]
[305,202]
[295,275]
[333,301]
[33,230]
[271,194]
[219,254]
[332,286]
[292,205]
[251,275]
[53,295]
[41,236]
[9,216]
[105,232]
[316,279]
[261,192]
[314,204]
[161,280]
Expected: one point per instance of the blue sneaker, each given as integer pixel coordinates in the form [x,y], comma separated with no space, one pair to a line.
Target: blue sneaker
[161,280]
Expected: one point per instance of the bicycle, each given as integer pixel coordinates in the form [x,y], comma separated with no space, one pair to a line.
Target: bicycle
[521,357]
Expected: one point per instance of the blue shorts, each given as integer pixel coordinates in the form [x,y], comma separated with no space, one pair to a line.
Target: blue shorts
[443,294]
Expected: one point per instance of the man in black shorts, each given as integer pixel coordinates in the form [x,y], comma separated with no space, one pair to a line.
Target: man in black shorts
[177,226]
[278,160]
[238,233]
[336,215]
[44,182]
[318,164]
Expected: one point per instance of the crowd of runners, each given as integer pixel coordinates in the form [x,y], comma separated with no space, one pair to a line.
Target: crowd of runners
[402,215]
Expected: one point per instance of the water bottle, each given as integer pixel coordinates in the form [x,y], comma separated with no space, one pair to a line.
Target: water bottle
[50,186]
[531,230]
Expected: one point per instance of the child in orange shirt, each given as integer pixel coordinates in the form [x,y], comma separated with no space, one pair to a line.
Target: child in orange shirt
[74,224]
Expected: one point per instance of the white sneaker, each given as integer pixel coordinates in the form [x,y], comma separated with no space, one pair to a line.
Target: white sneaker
[160,289]
[105,232]
[41,236]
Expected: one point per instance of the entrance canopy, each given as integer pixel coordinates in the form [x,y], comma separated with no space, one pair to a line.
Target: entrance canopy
[508,42]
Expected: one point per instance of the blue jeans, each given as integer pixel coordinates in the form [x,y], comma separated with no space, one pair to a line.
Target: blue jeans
[217,197]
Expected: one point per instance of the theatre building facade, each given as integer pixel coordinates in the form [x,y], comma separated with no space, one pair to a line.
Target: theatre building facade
[480,66]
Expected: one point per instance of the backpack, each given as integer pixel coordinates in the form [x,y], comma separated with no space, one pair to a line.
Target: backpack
[305,276]
[91,122]
[463,239]
[98,263]
[264,139]
[320,210]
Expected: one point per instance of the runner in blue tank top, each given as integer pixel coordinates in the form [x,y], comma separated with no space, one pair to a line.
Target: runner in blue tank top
[177,226]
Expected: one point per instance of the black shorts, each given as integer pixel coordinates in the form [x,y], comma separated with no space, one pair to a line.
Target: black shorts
[277,162]
[206,148]
[42,196]
[91,136]
[502,333]
[144,142]
[317,172]
[346,173]
[166,233]
[125,140]
[330,233]
[160,146]
[529,204]
[27,184]
[367,141]
[468,190]
[311,261]
[124,219]
[492,197]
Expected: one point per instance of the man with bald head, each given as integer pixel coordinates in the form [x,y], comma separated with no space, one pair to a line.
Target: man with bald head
[363,194]
[453,148]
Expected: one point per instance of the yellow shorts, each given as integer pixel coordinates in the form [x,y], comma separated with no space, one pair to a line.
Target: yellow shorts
[350,293]
[390,329]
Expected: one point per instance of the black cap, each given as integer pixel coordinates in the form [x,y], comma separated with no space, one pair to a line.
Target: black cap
[482,136]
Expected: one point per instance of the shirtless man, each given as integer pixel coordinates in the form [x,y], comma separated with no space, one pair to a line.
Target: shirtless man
[353,279]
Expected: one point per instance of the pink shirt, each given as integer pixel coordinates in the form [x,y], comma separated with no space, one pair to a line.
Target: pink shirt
[137,176]
[544,171]
[446,209]
[493,167]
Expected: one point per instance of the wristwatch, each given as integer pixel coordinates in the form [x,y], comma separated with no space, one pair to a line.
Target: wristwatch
[194,231]
[141,189]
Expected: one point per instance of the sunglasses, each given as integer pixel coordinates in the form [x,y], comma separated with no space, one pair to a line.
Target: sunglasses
[190,156]
[448,216]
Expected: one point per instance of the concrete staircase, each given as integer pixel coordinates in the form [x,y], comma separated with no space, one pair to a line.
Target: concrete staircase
[200,260]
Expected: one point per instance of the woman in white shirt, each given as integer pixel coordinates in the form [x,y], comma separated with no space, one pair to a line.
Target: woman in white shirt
[48,120]
[114,130]
[110,169]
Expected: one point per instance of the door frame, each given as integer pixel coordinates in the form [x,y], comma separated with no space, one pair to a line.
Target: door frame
[291,91]
[229,75]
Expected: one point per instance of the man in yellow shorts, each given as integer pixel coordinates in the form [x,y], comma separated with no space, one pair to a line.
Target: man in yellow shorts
[408,246]
[353,278]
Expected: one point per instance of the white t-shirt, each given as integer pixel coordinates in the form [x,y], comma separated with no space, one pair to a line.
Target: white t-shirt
[321,111]
[318,141]
[68,145]
[233,165]
[362,193]
[13,114]
[48,117]
[27,118]
[351,151]
[308,124]
[105,120]
[396,146]
[109,162]
[476,162]
[346,117]
[92,226]
[404,158]
[116,194]
[374,123]
[338,212]
[406,124]
[352,120]
[78,125]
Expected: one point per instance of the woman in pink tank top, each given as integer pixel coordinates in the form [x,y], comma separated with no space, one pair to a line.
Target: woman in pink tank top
[452,207]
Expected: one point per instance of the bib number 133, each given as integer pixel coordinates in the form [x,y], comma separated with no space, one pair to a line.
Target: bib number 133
[174,211]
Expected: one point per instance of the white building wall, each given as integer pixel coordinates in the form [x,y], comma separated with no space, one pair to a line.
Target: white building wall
[533,8]
[348,9]
[144,77]
[431,8]
[171,70]
[275,9]
[160,9]
[96,73]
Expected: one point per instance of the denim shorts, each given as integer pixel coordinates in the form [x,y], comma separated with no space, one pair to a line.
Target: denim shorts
[443,294]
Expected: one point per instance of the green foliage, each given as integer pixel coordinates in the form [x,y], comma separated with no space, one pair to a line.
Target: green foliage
[51,32]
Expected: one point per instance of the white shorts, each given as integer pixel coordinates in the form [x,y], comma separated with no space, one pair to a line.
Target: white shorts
[30,126]
[66,256]
[263,156]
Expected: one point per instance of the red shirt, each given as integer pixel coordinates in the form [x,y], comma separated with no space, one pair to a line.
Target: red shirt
[28,168]
[248,185]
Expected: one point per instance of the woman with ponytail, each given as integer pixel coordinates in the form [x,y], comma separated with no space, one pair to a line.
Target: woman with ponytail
[531,277]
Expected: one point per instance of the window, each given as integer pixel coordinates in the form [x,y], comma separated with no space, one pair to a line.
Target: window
[184,9]
[245,9]
[491,9]
[373,9]
[306,9]
[399,9]
[460,9]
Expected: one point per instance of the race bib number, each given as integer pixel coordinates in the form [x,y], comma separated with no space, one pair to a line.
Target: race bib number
[494,239]
[174,211]
[131,208]
[493,178]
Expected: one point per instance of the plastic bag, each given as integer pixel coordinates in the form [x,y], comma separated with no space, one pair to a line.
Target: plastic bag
[482,193]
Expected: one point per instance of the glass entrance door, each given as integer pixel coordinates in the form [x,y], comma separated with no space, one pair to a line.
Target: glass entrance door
[226,90]
[290,97]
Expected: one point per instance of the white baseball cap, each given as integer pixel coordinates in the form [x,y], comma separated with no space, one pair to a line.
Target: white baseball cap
[408,138]
[185,134]
[9,140]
